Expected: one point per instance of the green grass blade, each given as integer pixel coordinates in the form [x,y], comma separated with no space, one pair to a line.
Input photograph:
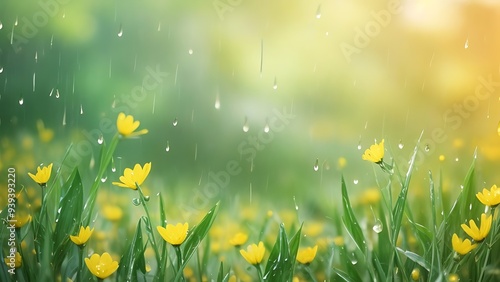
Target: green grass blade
[220,275]
[279,265]
[133,258]
[350,221]
[416,258]
[69,217]
[195,237]
[400,205]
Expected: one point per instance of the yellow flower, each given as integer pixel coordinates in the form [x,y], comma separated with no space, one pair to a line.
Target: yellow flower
[101,266]
[305,256]
[453,277]
[478,234]
[238,239]
[83,236]
[45,134]
[462,247]
[489,197]
[375,153]
[21,219]
[174,234]
[14,261]
[254,253]
[112,213]
[126,126]
[131,177]
[42,175]
[415,274]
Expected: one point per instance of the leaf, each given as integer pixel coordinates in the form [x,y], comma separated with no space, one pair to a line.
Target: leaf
[195,237]
[69,217]
[133,258]
[416,258]
[350,221]
[279,266]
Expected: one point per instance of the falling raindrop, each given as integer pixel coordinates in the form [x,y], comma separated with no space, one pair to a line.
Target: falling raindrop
[359,145]
[146,198]
[266,127]
[57,93]
[316,165]
[104,178]
[113,166]
[275,85]
[355,181]
[51,91]
[16,22]
[427,148]
[245,125]
[1,69]
[34,81]
[1,25]
[295,203]
[36,57]
[456,159]
[81,109]
[21,101]
[64,117]
[318,12]
[174,123]
[92,162]
[217,101]
[466,45]
[378,227]
[195,151]
[353,258]
[120,31]
[100,140]
[159,26]
[167,149]
[401,145]
[136,201]
[190,51]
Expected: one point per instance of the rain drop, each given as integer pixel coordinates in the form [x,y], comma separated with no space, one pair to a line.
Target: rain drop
[136,201]
[167,149]
[316,165]
[81,109]
[51,91]
[400,145]
[100,140]
[21,101]
[456,159]
[378,227]
[146,198]
[266,127]
[355,181]
[466,45]
[275,85]
[113,166]
[174,123]
[57,93]
[427,148]
[1,25]
[190,51]
[295,203]
[159,26]
[1,69]
[217,102]
[318,12]
[16,22]
[354,260]
[64,117]
[120,32]
[245,125]
[103,179]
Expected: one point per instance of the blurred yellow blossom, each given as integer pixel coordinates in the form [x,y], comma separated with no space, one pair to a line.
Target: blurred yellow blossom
[238,239]
[462,247]
[174,234]
[478,234]
[42,175]
[307,255]
[21,218]
[46,135]
[132,178]
[127,126]
[83,236]
[375,153]
[112,212]
[101,266]
[254,253]
[415,274]
[341,162]
[453,277]
[16,261]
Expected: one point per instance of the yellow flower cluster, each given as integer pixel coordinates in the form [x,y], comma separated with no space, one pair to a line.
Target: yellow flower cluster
[489,198]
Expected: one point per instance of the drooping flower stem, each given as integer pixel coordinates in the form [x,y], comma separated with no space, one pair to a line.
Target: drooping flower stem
[149,226]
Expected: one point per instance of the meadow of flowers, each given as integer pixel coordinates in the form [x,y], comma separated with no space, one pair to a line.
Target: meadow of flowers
[55,235]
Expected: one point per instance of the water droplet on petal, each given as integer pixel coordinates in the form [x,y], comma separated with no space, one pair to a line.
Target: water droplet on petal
[136,201]
[316,165]
[174,123]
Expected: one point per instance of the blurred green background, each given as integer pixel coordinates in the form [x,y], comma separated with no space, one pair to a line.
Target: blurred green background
[347,73]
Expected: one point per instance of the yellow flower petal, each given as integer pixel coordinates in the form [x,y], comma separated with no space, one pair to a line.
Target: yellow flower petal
[174,234]
[131,177]
[101,266]
[42,175]
[254,253]
[375,153]
[126,126]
